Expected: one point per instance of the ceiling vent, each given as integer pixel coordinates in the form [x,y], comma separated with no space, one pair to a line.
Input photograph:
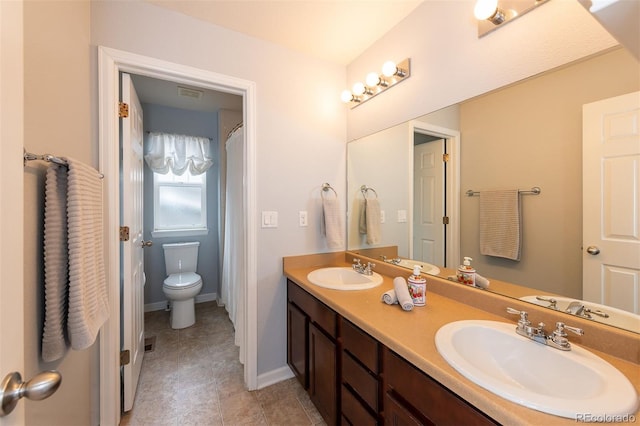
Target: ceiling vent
[190,93]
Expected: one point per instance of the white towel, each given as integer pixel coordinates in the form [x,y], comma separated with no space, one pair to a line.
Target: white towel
[56,271]
[373,221]
[332,222]
[402,292]
[88,299]
[500,227]
[362,219]
[389,297]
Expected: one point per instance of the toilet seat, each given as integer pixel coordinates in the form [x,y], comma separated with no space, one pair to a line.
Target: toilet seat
[182,281]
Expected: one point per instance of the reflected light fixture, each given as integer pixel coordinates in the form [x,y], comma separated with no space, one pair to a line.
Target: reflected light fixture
[374,83]
[493,14]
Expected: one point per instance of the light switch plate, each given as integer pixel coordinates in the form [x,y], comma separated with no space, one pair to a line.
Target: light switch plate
[269,219]
[302,218]
[383,216]
[402,216]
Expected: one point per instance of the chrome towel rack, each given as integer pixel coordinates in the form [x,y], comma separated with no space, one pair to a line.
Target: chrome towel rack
[365,189]
[326,188]
[533,191]
[44,157]
[28,156]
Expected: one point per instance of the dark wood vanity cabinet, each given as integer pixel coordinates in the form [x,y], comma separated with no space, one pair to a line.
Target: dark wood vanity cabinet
[360,396]
[312,349]
[353,379]
[414,398]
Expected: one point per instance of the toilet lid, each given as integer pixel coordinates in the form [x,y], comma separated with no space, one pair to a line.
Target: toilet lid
[183,280]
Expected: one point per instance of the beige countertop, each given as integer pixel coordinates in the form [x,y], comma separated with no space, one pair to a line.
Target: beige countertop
[412,334]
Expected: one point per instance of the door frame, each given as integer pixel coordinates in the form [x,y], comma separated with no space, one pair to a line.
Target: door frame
[452,186]
[110,63]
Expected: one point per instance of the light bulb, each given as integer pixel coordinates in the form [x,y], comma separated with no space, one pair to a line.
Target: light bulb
[389,69]
[485,9]
[358,89]
[372,79]
[346,96]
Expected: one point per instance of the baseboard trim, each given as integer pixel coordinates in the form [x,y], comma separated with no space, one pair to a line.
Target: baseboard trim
[274,376]
[162,305]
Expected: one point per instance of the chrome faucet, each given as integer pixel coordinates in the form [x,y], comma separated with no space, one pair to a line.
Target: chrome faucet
[553,303]
[557,339]
[395,261]
[578,309]
[362,269]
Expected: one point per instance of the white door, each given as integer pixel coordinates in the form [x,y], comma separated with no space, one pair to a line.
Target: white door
[611,202]
[133,279]
[428,202]
[12,201]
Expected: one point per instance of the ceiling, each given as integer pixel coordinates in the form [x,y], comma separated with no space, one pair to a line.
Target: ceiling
[334,30]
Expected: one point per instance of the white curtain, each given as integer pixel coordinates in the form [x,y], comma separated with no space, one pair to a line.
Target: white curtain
[177,153]
[233,262]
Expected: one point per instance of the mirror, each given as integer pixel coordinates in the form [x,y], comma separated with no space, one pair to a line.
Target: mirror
[525,135]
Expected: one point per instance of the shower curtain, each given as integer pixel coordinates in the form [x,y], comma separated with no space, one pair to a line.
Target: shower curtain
[233,262]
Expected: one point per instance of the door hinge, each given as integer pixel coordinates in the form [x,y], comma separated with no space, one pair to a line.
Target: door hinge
[124,233]
[123,110]
[125,357]
[445,158]
[445,220]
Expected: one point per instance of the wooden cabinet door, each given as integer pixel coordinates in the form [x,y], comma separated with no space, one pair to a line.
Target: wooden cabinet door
[395,414]
[323,383]
[297,343]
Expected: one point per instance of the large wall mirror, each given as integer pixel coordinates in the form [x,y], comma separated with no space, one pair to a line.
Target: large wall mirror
[522,136]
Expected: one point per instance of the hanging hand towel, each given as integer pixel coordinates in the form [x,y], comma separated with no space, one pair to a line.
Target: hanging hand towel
[362,219]
[88,299]
[500,223]
[373,221]
[402,293]
[56,271]
[332,224]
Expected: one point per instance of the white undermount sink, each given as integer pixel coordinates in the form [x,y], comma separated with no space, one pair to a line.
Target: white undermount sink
[343,278]
[576,384]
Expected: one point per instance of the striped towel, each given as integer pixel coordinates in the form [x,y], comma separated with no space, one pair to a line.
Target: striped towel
[88,299]
[56,271]
[500,223]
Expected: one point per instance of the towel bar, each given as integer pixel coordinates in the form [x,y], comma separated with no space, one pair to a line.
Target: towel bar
[534,191]
[27,156]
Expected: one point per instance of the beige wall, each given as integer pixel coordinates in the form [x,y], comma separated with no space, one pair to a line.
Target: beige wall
[450,64]
[57,121]
[530,134]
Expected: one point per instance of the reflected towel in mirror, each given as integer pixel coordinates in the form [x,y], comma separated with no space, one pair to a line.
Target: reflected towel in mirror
[500,223]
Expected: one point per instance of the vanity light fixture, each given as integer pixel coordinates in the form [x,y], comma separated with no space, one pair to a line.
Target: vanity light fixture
[392,74]
[493,14]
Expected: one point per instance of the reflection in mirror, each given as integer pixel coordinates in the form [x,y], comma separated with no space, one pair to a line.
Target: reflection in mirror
[525,135]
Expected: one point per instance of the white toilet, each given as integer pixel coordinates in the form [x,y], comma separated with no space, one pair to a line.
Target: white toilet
[182,283]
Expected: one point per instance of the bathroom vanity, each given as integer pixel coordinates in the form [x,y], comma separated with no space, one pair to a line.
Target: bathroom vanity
[365,362]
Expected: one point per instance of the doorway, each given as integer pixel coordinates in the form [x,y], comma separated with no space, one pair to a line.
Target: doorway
[111,63]
[428,134]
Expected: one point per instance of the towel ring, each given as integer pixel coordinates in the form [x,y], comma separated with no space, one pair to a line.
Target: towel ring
[364,189]
[326,187]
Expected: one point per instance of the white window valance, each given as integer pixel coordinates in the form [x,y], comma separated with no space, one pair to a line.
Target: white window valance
[176,153]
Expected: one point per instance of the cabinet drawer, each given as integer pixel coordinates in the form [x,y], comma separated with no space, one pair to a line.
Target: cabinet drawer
[435,402]
[353,412]
[359,379]
[362,346]
[318,312]
[395,414]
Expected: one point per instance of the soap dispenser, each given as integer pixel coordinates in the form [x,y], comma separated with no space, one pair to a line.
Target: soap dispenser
[466,274]
[417,287]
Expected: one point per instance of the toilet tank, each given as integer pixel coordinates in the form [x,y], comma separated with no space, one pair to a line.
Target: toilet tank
[181,257]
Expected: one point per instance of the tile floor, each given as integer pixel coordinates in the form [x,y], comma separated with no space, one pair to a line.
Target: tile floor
[193,377]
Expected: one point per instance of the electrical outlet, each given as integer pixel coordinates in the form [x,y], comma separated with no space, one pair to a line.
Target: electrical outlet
[302,218]
[383,217]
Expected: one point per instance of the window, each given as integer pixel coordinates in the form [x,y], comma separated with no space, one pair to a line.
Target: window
[180,204]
